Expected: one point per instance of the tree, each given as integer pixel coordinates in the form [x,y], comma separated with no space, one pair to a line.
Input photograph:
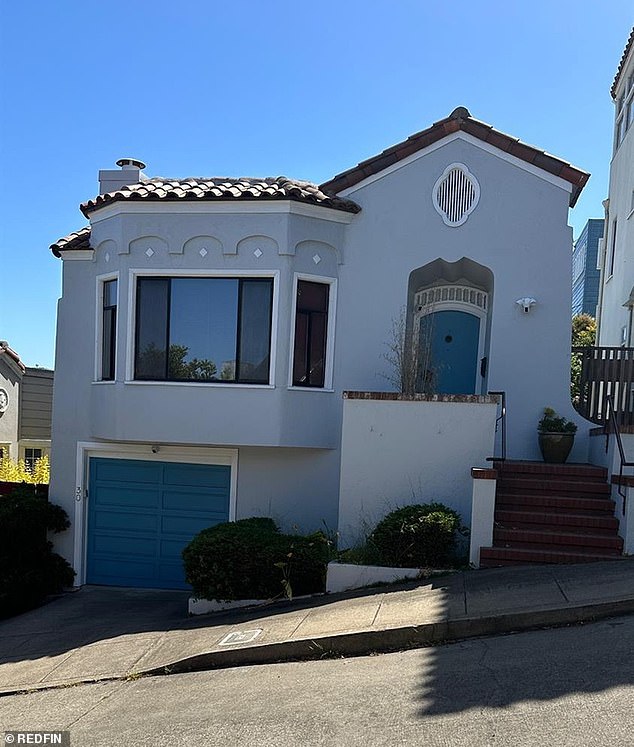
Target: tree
[584,332]
[152,359]
[409,356]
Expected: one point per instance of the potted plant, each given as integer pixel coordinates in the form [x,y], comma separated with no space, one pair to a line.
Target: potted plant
[556,436]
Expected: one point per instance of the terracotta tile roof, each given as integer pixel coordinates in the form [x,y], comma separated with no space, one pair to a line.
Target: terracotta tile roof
[218,189]
[459,120]
[6,350]
[73,242]
[626,51]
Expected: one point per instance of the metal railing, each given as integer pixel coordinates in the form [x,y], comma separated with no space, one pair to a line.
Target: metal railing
[500,421]
[605,372]
[613,427]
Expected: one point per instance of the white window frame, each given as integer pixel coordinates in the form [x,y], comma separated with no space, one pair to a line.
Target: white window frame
[178,454]
[43,444]
[330,332]
[101,280]
[136,273]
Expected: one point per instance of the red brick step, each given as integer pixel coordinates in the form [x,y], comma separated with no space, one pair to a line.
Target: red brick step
[491,557]
[552,513]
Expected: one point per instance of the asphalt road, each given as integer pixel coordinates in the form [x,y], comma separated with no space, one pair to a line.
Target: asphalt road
[569,686]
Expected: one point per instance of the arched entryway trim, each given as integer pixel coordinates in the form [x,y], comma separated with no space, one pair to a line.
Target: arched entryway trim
[449,320]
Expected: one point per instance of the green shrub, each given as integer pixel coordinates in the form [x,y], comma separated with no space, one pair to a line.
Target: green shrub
[252,559]
[29,569]
[418,536]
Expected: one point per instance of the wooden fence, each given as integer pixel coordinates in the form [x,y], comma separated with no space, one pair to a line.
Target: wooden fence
[606,371]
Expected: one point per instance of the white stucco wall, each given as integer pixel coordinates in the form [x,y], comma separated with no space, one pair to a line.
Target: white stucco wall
[518,231]
[616,287]
[395,453]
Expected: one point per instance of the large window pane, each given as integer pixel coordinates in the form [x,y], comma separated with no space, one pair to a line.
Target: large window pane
[151,334]
[255,331]
[203,329]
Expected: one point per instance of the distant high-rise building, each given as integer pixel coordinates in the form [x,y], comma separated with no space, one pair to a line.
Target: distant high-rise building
[585,275]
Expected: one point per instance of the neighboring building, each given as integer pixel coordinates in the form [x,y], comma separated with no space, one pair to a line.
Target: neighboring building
[585,273]
[26,396]
[616,295]
[209,327]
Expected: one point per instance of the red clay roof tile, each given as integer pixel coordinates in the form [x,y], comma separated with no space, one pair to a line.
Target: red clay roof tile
[626,51]
[245,188]
[459,120]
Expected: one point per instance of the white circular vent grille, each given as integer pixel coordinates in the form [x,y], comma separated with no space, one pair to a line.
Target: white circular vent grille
[456,194]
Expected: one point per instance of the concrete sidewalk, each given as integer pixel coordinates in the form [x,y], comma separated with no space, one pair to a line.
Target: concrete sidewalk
[100,633]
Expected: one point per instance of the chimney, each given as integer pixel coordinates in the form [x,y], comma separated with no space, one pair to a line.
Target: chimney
[129,173]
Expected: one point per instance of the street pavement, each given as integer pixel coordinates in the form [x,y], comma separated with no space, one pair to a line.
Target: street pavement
[97,634]
[563,687]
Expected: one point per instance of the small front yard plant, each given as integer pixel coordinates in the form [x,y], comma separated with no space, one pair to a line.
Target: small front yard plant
[252,559]
[417,536]
[29,569]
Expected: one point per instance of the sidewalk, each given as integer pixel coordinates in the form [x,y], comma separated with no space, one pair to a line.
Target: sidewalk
[99,633]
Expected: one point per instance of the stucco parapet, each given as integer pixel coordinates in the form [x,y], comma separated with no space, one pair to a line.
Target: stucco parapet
[471,399]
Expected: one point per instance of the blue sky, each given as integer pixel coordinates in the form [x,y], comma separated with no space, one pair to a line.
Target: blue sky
[253,88]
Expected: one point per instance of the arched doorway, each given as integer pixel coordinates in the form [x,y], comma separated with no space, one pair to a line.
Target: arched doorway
[449,323]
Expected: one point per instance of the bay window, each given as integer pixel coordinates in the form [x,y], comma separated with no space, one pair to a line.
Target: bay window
[203,329]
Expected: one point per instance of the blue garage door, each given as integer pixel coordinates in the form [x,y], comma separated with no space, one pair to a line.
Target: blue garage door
[142,514]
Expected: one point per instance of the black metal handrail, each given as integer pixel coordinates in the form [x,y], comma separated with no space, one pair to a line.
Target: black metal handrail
[614,427]
[501,418]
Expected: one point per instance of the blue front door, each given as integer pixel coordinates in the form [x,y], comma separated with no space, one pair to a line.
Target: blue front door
[453,344]
[141,514]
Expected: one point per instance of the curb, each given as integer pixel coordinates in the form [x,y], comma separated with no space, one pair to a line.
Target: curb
[393,639]
[362,643]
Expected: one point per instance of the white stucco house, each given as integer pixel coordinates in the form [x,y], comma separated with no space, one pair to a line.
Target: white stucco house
[616,289]
[209,328]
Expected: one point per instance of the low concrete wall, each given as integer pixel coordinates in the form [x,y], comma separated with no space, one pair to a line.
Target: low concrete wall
[397,451]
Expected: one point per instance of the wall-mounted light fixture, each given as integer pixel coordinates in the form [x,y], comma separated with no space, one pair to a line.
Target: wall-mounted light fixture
[526,304]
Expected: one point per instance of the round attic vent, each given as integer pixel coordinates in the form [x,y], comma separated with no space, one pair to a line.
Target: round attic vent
[456,194]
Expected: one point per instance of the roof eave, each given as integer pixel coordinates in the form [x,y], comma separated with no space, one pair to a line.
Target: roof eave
[448,126]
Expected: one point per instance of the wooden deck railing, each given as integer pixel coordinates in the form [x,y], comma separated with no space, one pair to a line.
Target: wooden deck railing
[606,372]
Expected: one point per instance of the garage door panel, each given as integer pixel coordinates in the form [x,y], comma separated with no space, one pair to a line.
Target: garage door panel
[212,499]
[105,545]
[125,572]
[125,495]
[171,574]
[188,526]
[126,522]
[198,475]
[142,514]
[127,471]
